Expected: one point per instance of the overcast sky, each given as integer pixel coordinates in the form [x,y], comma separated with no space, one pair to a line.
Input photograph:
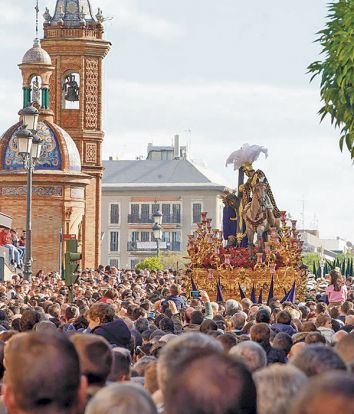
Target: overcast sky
[220,73]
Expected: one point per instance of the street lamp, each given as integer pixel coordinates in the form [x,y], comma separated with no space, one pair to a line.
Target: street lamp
[29,147]
[157,230]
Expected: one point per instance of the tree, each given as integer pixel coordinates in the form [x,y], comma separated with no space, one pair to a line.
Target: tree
[337,70]
[173,260]
[150,263]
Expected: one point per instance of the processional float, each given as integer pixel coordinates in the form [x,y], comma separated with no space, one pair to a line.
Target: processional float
[258,252]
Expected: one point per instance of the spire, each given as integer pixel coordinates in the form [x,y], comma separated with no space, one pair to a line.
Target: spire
[71,13]
[37,13]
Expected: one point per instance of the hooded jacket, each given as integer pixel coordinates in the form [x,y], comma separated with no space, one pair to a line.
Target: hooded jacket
[116,332]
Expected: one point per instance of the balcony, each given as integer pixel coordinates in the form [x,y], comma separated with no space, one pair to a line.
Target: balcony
[136,219]
[137,246]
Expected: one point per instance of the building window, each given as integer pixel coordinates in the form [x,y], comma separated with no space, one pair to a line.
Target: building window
[145,213]
[135,236]
[114,241]
[196,213]
[114,263]
[145,236]
[166,213]
[134,213]
[176,241]
[176,213]
[114,214]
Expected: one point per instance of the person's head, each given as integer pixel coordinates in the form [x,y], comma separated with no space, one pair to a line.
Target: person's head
[345,348]
[178,350]
[295,349]
[336,280]
[227,340]
[197,317]
[219,384]
[141,365]
[150,377]
[308,326]
[277,385]
[42,375]
[166,325]
[122,398]
[239,320]
[45,327]
[263,315]
[208,325]
[323,321]
[100,313]
[332,392]
[251,354]
[316,359]
[315,338]
[349,320]
[260,333]
[231,306]
[282,341]
[175,290]
[121,363]
[29,319]
[95,355]
[320,308]
[141,325]
[284,317]
[346,307]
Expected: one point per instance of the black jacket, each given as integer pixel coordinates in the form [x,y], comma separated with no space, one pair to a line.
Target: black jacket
[117,333]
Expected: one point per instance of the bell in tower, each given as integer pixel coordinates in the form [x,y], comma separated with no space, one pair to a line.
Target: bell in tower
[71,89]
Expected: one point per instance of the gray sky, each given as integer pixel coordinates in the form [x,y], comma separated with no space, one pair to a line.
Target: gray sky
[231,72]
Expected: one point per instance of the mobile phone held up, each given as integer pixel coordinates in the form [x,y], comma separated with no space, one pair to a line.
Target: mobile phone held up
[195,294]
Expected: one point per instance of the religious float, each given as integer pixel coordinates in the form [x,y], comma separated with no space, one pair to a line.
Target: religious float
[257,254]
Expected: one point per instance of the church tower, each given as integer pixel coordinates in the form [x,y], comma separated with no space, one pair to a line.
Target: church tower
[73,37]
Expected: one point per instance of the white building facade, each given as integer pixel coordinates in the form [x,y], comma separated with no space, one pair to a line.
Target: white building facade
[133,191]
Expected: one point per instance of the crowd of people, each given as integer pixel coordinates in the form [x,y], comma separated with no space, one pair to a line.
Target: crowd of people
[138,343]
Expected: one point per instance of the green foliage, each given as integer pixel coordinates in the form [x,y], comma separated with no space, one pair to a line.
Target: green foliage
[173,260]
[150,263]
[310,259]
[336,70]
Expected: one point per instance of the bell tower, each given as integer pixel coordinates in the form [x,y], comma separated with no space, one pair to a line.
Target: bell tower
[73,37]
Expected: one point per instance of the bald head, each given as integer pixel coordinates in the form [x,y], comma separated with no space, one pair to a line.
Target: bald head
[296,348]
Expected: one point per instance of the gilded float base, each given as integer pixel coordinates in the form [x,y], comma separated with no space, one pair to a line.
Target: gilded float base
[260,278]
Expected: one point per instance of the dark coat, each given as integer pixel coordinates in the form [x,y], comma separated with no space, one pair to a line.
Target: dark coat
[117,333]
[282,327]
[273,354]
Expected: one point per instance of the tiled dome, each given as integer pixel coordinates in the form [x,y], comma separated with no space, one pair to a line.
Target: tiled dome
[59,151]
[36,55]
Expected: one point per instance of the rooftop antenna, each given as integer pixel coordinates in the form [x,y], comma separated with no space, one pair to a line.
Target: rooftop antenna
[37,19]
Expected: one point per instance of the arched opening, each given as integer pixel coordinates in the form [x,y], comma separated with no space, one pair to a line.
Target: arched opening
[71,90]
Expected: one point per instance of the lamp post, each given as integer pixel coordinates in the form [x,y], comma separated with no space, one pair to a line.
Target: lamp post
[157,230]
[29,147]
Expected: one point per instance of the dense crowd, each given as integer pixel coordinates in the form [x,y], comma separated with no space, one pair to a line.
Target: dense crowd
[138,343]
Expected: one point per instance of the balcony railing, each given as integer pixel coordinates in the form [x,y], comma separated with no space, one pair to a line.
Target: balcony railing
[136,219]
[137,246]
